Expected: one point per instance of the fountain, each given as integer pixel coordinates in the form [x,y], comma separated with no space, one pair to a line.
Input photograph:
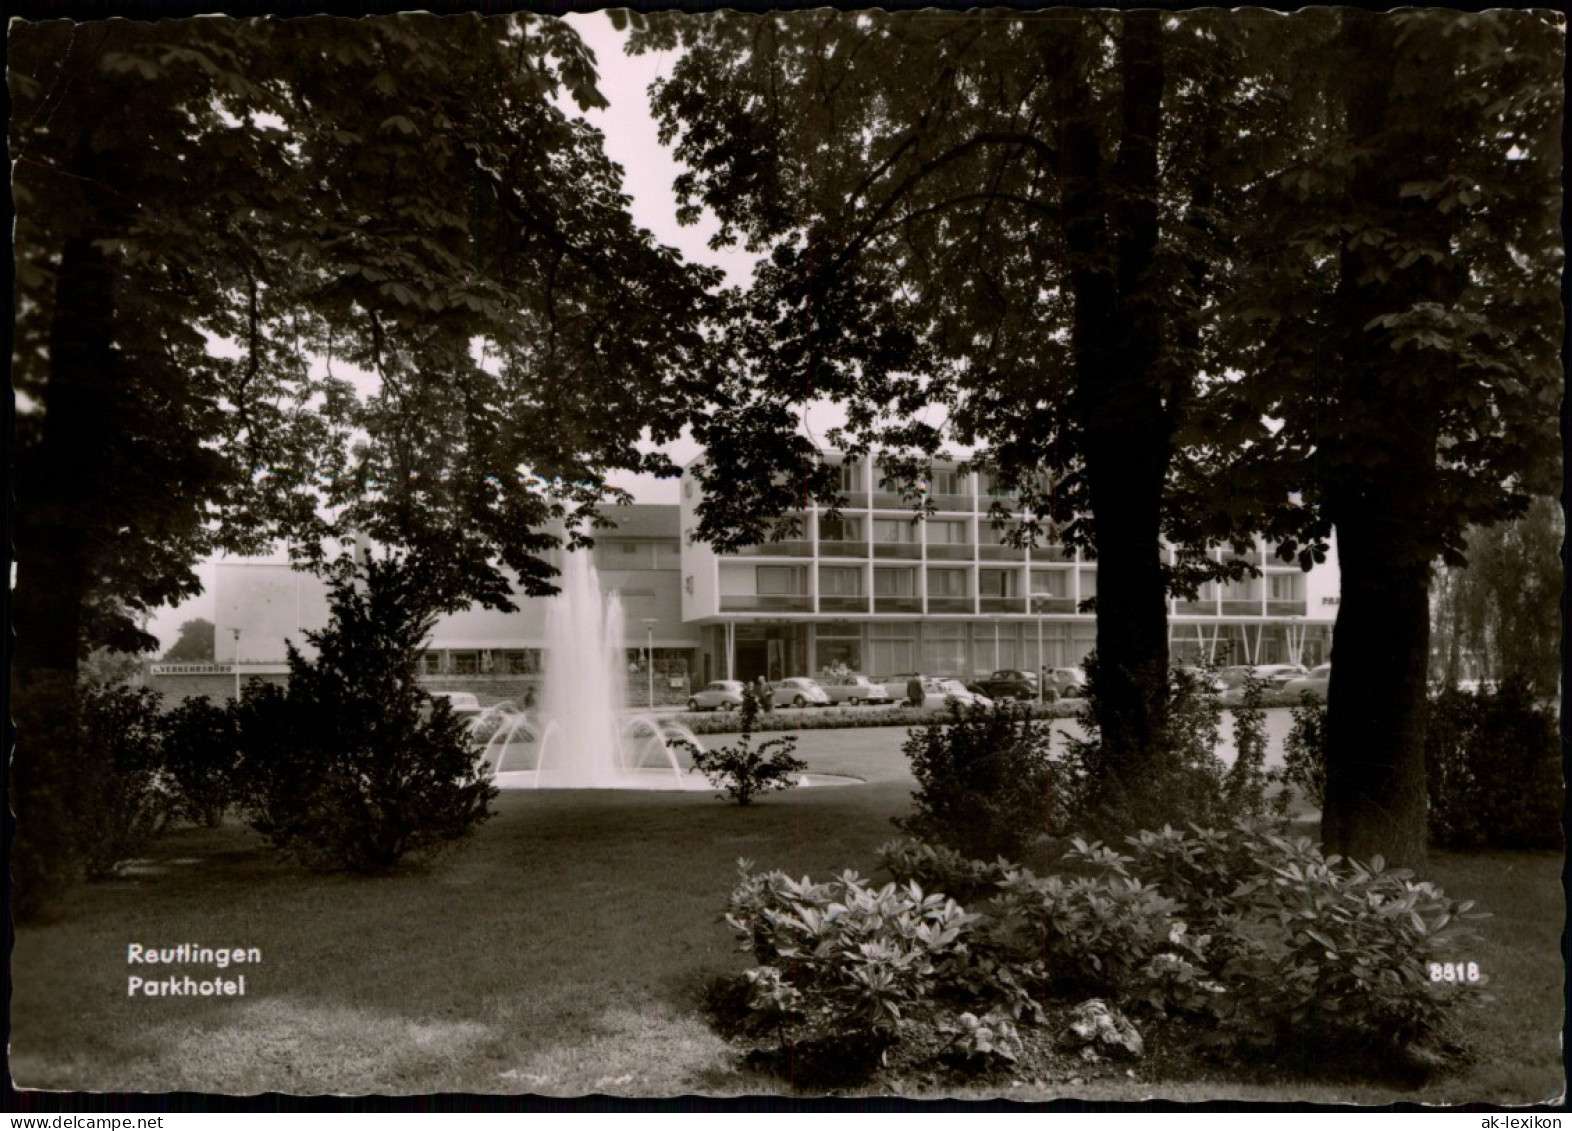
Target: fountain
[581,737]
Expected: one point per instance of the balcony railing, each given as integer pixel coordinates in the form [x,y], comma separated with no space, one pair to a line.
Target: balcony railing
[829,549]
[952,502]
[1002,604]
[949,552]
[909,551]
[897,604]
[1285,608]
[764,603]
[855,500]
[1052,553]
[1195,608]
[892,500]
[1250,608]
[949,604]
[840,604]
[793,548]
[1041,605]
[1002,553]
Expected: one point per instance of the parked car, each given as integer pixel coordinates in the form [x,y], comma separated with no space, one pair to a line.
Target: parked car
[799,691]
[1272,675]
[1070,683]
[899,685]
[722,695]
[940,693]
[1313,684]
[1010,683]
[1276,675]
[464,704]
[853,689]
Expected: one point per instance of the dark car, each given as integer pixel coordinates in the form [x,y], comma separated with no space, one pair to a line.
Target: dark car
[1009,683]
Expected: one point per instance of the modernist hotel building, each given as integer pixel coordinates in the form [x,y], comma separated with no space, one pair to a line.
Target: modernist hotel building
[872,589]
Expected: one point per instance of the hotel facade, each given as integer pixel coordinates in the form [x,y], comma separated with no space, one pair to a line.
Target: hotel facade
[873,589]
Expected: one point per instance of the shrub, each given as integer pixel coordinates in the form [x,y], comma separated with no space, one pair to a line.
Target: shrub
[1307,948]
[125,797]
[1493,769]
[1104,932]
[1245,794]
[851,718]
[46,788]
[987,783]
[844,967]
[937,868]
[201,759]
[742,771]
[354,766]
[1304,749]
[1186,780]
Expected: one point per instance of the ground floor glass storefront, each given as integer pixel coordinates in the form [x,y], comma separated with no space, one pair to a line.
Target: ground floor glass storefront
[969,647]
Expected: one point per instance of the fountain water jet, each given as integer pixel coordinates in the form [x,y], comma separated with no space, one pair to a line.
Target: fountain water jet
[582,737]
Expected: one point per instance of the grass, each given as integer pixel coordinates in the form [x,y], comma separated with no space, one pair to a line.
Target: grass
[565,950]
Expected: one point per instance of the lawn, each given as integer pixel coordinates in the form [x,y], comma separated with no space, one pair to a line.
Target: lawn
[565,951]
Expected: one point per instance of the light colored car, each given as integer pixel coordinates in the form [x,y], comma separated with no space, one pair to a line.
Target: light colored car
[722,695]
[853,689]
[942,692]
[1313,685]
[1070,683]
[799,691]
[1276,675]
[464,704]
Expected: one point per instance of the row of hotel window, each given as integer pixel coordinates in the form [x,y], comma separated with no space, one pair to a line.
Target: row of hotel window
[901,581]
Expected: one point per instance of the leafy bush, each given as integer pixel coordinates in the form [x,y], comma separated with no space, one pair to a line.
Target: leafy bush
[844,966]
[742,771]
[1493,769]
[988,784]
[1304,750]
[46,783]
[937,868]
[851,718]
[1247,784]
[354,766]
[201,759]
[125,797]
[1307,948]
[1187,780]
[1102,932]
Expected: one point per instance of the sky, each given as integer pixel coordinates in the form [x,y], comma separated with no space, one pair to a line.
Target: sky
[648,172]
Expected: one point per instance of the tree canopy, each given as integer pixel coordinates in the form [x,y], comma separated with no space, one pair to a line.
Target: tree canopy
[1196,275]
[217,217]
[195,642]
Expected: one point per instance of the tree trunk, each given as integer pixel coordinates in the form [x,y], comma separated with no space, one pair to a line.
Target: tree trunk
[1375,801]
[60,482]
[1112,230]
[55,489]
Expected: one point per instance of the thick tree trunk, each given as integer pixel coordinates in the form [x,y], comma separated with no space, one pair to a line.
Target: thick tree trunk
[1117,339]
[61,481]
[1375,801]
[57,484]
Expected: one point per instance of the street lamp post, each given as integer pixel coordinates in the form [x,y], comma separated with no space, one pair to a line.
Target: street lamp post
[236,631]
[649,657]
[1042,669]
